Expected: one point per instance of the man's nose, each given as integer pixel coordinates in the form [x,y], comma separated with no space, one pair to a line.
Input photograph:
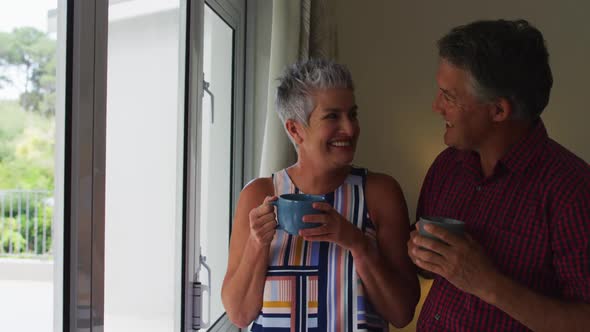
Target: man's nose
[437,104]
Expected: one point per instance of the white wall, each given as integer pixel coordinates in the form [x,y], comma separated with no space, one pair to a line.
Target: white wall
[141,173]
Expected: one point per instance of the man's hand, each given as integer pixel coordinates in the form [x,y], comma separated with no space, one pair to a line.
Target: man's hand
[460,260]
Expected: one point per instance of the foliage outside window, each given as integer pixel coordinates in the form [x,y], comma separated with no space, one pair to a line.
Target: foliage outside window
[27,139]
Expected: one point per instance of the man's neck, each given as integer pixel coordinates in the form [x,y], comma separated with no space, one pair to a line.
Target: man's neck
[500,143]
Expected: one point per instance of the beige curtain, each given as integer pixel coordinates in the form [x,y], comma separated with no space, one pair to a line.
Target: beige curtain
[318,37]
[300,29]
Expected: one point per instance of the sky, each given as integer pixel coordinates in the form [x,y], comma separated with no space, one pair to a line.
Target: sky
[20,13]
[33,13]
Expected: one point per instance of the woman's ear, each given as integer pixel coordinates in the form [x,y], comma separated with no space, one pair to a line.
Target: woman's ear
[501,110]
[295,130]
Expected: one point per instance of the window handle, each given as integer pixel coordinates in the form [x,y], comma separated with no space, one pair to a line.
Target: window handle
[206,89]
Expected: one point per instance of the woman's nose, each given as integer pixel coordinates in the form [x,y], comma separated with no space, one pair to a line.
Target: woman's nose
[349,126]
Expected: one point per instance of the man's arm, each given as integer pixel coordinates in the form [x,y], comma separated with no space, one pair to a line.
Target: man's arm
[535,311]
[463,263]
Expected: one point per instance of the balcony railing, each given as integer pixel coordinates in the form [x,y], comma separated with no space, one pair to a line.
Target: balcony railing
[26,223]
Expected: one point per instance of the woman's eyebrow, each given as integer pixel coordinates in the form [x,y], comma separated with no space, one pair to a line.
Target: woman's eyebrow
[337,109]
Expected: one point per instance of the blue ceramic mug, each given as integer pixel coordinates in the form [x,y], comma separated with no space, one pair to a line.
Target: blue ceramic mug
[454,226]
[292,207]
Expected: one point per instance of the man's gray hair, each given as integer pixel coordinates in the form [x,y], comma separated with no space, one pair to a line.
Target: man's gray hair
[294,98]
[506,59]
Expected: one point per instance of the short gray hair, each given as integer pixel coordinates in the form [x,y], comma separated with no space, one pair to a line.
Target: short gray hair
[294,98]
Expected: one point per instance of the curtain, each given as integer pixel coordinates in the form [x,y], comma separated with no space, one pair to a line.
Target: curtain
[300,29]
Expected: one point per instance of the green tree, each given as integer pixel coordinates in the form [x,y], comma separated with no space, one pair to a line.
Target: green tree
[11,126]
[32,53]
[26,148]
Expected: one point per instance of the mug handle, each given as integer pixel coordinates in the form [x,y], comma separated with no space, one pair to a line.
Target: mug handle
[275,204]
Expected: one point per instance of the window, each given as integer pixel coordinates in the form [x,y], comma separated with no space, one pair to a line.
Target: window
[31,164]
[143,106]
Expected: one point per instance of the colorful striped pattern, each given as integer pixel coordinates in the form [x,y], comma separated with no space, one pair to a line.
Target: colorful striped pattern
[313,286]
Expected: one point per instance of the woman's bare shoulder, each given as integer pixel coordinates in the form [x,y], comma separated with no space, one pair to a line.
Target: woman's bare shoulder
[385,199]
[258,187]
[253,195]
[379,184]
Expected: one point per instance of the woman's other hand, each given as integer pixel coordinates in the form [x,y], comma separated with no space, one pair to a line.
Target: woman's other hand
[263,222]
[334,227]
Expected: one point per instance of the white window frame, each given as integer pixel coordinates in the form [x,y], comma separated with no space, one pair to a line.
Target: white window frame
[233,12]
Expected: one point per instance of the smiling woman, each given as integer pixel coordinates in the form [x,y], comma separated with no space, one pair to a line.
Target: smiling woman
[351,271]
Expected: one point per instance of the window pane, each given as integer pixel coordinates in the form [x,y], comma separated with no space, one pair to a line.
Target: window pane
[216,160]
[143,167]
[31,164]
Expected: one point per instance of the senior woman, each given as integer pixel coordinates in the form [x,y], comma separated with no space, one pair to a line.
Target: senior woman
[351,273]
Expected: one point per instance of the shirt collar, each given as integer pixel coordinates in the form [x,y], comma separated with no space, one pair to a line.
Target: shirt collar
[518,156]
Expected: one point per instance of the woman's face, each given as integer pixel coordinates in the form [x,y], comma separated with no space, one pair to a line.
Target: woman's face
[333,128]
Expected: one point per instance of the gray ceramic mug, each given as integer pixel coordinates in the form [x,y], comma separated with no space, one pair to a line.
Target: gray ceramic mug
[292,207]
[454,226]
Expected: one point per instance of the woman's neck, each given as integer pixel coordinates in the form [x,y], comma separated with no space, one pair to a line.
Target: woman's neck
[317,180]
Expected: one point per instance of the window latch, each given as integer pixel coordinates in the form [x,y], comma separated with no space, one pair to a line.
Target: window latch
[198,294]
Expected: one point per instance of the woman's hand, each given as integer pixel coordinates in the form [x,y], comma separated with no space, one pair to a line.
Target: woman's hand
[334,227]
[263,222]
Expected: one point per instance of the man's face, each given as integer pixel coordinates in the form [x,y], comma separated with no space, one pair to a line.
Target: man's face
[467,120]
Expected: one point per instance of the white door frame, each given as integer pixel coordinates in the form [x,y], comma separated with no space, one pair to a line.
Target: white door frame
[233,12]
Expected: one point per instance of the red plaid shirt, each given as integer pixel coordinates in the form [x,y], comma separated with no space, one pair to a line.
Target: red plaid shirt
[532,216]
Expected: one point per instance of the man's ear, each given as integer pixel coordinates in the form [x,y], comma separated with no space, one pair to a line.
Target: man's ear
[295,130]
[501,110]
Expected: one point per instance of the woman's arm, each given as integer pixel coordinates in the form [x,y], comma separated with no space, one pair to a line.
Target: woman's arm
[252,232]
[387,272]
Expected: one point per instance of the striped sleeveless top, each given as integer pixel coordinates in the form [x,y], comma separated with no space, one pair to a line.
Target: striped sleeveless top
[313,286]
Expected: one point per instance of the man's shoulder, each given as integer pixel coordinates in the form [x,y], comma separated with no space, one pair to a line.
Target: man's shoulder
[558,159]
[561,170]
[560,153]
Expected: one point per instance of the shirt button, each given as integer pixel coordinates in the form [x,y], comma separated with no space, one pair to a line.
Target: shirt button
[437,316]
